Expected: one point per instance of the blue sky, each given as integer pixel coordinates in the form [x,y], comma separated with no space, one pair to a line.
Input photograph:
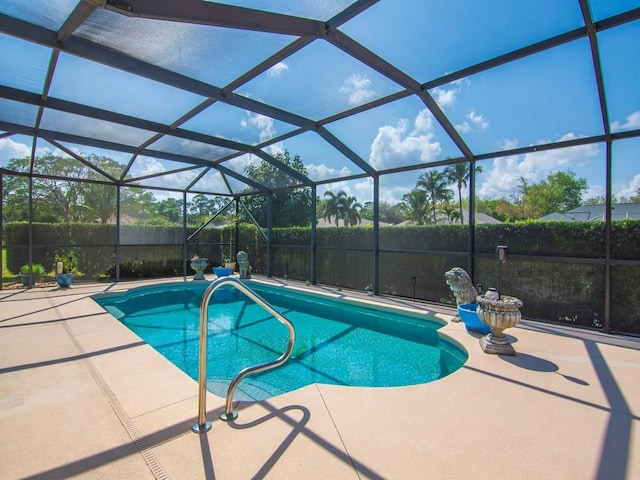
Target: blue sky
[545,97]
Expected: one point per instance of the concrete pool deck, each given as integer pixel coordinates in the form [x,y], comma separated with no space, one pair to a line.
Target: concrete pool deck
[81,396]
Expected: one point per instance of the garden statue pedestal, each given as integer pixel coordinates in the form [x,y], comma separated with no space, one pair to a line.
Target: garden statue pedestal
[199,264]
[499,314]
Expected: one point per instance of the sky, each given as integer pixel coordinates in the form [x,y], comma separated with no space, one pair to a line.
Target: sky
[546,97]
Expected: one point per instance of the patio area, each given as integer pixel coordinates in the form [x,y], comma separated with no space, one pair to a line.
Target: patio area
[81,396]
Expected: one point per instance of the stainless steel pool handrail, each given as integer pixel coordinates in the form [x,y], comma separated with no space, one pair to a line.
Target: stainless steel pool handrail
[202,425]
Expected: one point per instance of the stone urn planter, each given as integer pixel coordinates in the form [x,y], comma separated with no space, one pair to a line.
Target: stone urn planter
[499,314]
[199,264]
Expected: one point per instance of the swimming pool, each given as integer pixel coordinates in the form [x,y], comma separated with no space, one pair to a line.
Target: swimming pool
[338,341]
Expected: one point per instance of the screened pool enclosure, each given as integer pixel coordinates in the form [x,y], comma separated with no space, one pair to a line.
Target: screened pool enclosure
[351,144]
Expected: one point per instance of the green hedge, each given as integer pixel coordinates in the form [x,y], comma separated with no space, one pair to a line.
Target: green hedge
[566,292]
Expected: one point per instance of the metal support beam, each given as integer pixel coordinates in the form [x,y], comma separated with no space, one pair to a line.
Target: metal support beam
[217,14]
[314,235]
[376,234]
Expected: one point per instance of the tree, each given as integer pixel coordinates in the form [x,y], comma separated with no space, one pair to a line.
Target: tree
[459,174]
[559,192]
[291,207]
[60,195]
[342,206]
[332,206]
[414,206]
[100,198]
[170,209]
[451,213]
[434,183]
[351,211]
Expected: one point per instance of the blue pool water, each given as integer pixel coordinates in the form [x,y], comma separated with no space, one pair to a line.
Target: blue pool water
[337,341]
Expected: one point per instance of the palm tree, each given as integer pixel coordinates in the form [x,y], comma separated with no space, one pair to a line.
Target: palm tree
[351,211]
[342,206]
[451,213]
[414,205]
[332,206]
[460,173]
[435,184]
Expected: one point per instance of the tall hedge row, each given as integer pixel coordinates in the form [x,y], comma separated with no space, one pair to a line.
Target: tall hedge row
[412,259]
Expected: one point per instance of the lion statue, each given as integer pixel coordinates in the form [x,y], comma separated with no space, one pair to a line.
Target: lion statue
[461,287]
[243,264]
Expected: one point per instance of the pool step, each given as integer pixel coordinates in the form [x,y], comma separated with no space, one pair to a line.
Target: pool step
[249,389]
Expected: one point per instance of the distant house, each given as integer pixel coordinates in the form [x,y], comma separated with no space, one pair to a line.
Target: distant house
[323,223]
[595,213]
[479,217]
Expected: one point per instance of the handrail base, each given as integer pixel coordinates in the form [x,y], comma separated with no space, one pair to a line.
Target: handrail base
[229,417]
[198,428]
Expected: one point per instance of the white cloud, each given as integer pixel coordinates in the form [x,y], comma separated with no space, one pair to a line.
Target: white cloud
[275,149]
[11,149]
[445,97]
[501,180]
[473,121]
[323,172]
[358,88]
[423,121]
[632,121]
[397,145]
[144,166]
[238,164]
[463,127]
[477,120]
[509,144]
[628,190]
[277,69]
[263,124]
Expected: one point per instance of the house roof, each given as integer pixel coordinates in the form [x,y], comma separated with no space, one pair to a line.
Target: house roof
[594,213]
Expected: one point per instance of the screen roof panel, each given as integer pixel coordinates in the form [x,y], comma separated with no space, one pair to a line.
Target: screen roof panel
[317,82]
[440,36]
[321,160]
[69,123]
[620,58]
[225,121]
[546,97]
[161,173]
[212,55]
[119,91]
[190,148]
[606,8]
[23,65]
[17,112]
[397,134]
[44,13]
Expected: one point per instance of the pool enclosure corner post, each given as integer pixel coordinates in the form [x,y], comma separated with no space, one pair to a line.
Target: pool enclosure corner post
[202,425]
[269,233]
[314,236]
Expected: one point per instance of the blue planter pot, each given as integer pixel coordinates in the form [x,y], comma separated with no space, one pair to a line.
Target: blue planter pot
[222,271]
[468,315]
[64,279]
